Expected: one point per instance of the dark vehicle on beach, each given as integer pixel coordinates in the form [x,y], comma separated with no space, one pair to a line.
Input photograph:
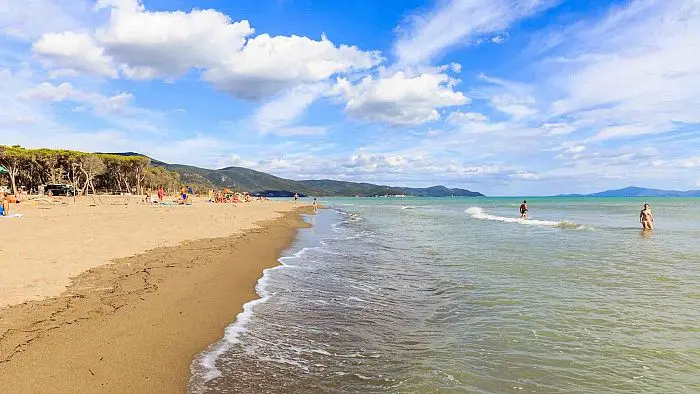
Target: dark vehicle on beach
[59,190]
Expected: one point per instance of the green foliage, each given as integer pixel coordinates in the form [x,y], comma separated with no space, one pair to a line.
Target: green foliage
[135,173]
[30,168]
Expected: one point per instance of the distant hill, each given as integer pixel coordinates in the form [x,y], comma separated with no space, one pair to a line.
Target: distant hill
[633,191]
[260,183]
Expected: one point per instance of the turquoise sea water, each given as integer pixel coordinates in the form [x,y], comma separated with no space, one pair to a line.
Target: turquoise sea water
[457,295]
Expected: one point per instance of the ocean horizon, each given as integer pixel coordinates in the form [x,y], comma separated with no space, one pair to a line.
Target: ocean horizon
[460,295]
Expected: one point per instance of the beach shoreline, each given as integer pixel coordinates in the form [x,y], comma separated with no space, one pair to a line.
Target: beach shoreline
[136,324]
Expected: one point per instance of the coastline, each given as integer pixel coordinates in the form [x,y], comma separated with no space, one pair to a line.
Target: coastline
[135,324]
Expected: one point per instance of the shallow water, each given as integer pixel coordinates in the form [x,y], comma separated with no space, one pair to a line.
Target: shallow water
[457,295]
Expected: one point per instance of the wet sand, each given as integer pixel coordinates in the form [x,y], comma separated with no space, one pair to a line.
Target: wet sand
[135,324]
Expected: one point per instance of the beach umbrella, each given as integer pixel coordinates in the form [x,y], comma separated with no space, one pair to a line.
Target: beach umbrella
[228,191]
[3,170]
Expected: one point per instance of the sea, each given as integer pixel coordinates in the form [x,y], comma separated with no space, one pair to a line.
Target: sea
[458,295]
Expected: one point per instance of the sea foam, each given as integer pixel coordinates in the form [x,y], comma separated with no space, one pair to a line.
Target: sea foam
[205,365]
[479,213]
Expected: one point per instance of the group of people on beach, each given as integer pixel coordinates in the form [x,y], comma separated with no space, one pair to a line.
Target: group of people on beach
[645,216]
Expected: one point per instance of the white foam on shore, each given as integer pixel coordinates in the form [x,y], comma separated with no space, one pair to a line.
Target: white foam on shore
[479,213]
[204,366]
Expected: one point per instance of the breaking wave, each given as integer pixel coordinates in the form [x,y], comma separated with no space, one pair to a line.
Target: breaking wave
[479,213]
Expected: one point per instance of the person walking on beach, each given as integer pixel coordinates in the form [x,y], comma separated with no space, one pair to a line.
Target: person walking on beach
[523,210]
[296,197]
[161,194]
[646,218]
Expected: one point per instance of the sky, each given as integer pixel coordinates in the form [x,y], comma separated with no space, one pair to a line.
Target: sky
[504,97]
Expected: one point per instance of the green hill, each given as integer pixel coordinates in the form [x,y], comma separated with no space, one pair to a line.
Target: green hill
[260,183]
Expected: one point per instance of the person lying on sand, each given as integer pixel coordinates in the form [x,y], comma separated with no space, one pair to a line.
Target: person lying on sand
[646,218]
[4,205]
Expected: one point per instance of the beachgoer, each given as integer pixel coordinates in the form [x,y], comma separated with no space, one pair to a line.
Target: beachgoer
[523,210]
[4,205]
[161,194]
[315,205]
[646,218]
[296,197]
[183,198]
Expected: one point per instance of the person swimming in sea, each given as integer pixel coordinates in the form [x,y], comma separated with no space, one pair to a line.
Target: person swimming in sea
[646,218]
[523,210]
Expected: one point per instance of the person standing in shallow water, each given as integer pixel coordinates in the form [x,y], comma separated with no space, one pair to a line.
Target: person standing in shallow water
[646,218]
[523,210]
[315,205]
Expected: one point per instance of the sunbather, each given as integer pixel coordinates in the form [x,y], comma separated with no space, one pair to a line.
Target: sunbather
[183,199]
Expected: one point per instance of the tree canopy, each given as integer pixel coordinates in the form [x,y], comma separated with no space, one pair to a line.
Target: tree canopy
[30,168]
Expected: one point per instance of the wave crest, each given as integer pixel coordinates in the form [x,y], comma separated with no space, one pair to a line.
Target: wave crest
[479,213]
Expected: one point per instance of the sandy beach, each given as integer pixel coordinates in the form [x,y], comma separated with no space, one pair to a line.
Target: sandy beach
[111,295]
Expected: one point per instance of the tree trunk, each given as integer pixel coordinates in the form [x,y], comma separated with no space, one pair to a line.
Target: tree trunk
[13,171]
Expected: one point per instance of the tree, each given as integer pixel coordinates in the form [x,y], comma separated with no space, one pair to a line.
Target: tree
[138,170]
[91,166]
[13,158]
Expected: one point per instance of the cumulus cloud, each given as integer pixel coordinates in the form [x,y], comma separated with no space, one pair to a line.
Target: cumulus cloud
[74,52]
[459,22]
[401,98]
[267,65]
[140,44]
[66,92]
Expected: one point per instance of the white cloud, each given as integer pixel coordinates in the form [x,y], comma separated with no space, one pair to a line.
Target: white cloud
[459,22]
[634,72]
[458,117]
[627,130]
[283,111]
[517,107]
[558,128]
[576,149]
[141,45]
[267,65]
[170,43]
[48,92]
[28,19]
[526,176]
[66,92]
[401,98]
[77,52]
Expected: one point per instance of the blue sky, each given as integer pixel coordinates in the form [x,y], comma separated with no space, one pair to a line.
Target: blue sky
[506,97]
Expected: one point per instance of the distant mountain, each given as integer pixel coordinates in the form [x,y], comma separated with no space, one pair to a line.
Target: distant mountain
[633,191]
[260,183]
[336,188]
